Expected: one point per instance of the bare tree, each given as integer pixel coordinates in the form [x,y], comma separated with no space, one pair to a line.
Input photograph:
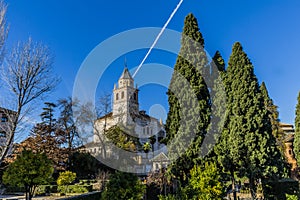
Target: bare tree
[91,131]
[27,73]
[104,108]
[3,28]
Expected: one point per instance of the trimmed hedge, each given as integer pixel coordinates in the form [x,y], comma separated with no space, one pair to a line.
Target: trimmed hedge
[76,188]
[13,189]
[46,189]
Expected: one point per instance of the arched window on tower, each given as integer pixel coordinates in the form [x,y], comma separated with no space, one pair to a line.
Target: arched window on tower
[135,96]
[117,96]
[122,95]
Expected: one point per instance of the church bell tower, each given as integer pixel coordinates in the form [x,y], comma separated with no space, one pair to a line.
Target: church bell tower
[125,103]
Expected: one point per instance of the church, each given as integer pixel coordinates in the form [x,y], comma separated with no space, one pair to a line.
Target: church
[126,113]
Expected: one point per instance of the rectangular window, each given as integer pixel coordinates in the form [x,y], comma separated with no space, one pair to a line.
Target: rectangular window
[2,134]
[4,118]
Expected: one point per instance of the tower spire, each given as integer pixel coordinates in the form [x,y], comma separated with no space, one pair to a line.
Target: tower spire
[125,62]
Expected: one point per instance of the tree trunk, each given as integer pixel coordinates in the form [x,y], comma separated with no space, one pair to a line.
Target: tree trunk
[11,135]
[252,188]
[233,185]
[27,196]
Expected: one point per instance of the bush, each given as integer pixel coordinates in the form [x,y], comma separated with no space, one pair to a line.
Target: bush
[123,185]
[291,197]
[66,178]
[46,189]
[75,189]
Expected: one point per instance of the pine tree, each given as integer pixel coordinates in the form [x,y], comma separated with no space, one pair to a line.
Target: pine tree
[247,147]
[297,132]
[189,103]
[47,114]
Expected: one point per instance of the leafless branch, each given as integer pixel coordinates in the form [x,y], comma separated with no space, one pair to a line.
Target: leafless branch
[27,73]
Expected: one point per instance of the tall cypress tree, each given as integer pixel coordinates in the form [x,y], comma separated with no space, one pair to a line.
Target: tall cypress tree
[297,132]
[189,103]
[218,106]
[274,117]
[247,147]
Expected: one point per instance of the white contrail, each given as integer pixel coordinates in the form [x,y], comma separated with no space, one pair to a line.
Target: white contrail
[158,36]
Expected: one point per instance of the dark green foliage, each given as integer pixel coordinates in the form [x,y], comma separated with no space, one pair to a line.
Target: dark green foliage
[279,189]
[247,147]
[123,186]
[29,170]
[219,61]
[189,103]
[67,123]
[84,165]
[297,132]
[47,114]
[218,106]
[274,117]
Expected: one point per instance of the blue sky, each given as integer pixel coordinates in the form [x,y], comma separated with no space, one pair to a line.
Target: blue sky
[268,30]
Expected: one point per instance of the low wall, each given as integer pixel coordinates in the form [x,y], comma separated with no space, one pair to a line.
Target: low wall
[87,196]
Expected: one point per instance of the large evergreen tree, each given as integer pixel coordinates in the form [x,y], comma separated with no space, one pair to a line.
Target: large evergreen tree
[247,147]
[189,103]
[274,117]
[218,99]
[297,132]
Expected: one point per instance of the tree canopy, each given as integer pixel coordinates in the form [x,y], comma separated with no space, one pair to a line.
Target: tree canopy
[29,170]
[297,132]
[189,103]
[247,147]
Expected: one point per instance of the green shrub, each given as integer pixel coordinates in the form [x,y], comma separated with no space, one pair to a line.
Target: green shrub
[66,178]
[46,189]
[291,197]
[75,188]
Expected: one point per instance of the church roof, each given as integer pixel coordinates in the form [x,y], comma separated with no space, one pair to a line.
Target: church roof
[126,74]
[161,157]
[108,115]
